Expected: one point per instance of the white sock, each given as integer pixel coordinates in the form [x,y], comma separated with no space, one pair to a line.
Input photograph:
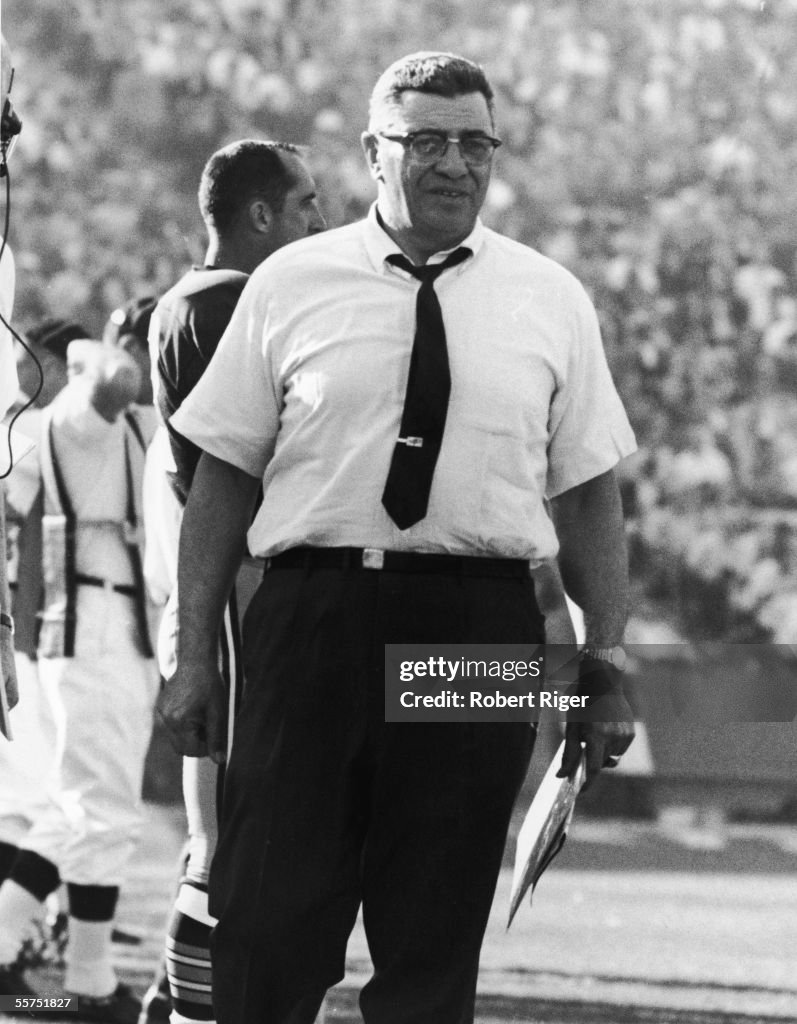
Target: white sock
[52,905]
[18,911]
[200,854]
[193,903]
[188,956]
[89,963]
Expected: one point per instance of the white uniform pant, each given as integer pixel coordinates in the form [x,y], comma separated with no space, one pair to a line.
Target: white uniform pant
[25,762]
[200,774]
[102,702]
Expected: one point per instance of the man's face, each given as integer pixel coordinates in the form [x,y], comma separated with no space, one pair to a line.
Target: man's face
[300,215]
[430,206]
[139,353]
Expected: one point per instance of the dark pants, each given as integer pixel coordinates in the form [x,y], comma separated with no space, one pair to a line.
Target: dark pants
[326,805]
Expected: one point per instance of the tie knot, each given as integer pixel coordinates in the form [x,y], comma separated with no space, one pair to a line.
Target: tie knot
[430,271]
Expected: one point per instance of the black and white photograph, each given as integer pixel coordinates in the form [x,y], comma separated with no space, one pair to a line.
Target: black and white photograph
[398,504]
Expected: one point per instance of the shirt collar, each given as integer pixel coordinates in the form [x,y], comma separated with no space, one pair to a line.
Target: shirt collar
[379,245]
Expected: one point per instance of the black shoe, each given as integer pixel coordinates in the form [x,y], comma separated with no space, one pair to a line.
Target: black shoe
[120,1007]
[45,948]
[12,981]
[33,952]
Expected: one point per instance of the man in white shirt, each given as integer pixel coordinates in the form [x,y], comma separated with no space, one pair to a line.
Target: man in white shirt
[9,129]
[326,803]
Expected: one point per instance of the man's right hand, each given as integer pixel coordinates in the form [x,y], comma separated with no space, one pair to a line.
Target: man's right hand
[192,706]
[212,542]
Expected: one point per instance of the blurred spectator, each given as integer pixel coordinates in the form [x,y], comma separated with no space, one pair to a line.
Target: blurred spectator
[697,474]
[779,339]
[754,285]
[127,329]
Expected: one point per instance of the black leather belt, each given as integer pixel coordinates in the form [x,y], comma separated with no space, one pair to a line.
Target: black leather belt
[397,561]
[95,581]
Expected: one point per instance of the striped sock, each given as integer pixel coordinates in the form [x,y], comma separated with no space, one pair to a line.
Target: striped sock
[188,956]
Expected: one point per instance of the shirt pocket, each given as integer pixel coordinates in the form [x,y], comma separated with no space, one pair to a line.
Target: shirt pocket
[511,492]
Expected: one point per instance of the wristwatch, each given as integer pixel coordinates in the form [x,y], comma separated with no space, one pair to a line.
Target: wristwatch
[615,656]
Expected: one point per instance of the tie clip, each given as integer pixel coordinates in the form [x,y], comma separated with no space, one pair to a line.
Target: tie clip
[411,442]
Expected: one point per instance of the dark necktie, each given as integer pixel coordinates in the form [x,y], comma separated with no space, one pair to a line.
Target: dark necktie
[409,481]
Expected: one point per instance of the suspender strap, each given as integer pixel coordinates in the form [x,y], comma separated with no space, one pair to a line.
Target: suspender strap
[58,525]
[135,426]
[59,548]
[132,533]
[28,592]
[56,496]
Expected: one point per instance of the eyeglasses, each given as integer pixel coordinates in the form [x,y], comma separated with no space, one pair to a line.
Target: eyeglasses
[429,145]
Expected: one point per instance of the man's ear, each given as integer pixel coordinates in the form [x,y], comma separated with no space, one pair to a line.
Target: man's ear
[261,216]
[370,144]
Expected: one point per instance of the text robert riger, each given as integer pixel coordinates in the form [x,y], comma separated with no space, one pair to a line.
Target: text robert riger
[495,699]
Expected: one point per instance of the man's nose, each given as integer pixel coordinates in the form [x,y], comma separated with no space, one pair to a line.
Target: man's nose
[452,162]
[317,222]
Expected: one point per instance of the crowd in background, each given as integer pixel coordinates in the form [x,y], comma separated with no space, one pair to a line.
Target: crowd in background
[650,149]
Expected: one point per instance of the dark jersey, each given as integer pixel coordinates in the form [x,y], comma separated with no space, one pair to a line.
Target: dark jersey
[190,320]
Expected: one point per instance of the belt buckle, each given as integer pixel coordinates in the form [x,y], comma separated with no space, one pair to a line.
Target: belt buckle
[373,558]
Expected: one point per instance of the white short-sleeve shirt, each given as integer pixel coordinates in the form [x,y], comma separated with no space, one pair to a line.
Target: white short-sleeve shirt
[307,387]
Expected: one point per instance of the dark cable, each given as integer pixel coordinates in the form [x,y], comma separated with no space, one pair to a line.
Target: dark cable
[11,330]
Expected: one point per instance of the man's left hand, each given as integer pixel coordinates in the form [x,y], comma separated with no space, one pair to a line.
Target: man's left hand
[604,728]
[192,706]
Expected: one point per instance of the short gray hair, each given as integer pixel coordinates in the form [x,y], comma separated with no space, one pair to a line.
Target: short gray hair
[442,74]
